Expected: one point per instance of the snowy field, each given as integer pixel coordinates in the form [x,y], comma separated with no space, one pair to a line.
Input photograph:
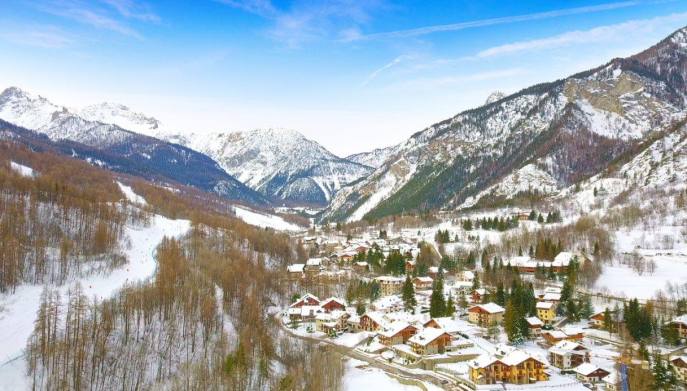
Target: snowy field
[130,195]
[360,377]
[265,220]
[18,310]
[662,247]
[22,169]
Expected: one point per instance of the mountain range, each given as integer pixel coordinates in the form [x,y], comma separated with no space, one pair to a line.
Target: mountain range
[280,164]
[40,124]
[625,117]
[553,134]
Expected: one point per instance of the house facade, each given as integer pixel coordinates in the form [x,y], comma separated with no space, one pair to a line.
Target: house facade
[486,314]
[516,367]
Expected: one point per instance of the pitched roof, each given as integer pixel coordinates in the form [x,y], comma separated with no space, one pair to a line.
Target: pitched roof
[564,347]
[491,308]
[394,328]
[334,299]
[544,305]
[587,369]
[295,268]
[427,336]
[534,321]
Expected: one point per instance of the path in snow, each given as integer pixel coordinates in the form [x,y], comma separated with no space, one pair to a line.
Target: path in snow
[265,220]
[18,310]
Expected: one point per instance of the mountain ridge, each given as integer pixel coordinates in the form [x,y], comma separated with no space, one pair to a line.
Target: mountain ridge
[572,127]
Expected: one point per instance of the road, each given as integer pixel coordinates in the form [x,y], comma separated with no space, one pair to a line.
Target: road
[441,380]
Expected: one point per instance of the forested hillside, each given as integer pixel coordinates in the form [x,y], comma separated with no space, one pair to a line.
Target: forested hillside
[202,321]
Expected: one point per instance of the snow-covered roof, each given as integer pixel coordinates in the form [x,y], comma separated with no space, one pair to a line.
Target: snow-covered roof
[564,257]
[482,361]
[512,358]
[544,305]
[305,297]
[389,279]
[394,328]
[468,275]
[552,297]
[426,336]
[434,269]
[518,261]
[295,268]
[680,319]
[515,357]
[314,262]
[557,334]
[491,308]
[572,330]
[451,325]
[586,369]
[534,321]
[426,279]
[564,347]
[361,264]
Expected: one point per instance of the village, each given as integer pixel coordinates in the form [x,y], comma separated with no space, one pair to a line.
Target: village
[473,321]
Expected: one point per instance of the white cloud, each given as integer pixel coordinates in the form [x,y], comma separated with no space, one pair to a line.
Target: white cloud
[47,37]
[609,33]
[134,10]
[386,66]
[497,21]
[306,21]
[96,15]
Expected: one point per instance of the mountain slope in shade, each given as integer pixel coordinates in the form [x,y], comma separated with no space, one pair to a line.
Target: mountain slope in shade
[374,158]
[116,148]
[571,129]
[280,164]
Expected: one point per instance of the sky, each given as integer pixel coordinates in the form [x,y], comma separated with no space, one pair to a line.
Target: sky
[352,75]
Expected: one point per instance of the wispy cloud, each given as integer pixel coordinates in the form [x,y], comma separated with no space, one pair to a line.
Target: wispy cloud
[608,33]
[383,68]
[133,10]
[111,15]
[306,21]
[47,37]
[263,8]
[494,21]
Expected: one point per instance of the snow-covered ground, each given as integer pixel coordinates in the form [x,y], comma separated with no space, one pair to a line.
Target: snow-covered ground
[265,220]
[660,246]
[359,377]
[18,310]
[130,195]
[22,169]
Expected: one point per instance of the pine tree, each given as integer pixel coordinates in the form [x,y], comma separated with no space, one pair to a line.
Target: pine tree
[462,300]
[450,306]
[500,298]
[437,302]
[409,301]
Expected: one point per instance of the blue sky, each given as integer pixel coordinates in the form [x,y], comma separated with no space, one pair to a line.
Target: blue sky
[352,75]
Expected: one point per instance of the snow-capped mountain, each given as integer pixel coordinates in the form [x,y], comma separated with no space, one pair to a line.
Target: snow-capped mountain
[281,164]
[570,129]
[114,147]
[122,116]
[494,97]
[374,158]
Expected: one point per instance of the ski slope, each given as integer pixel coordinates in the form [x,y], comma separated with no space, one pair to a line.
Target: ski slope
[18,310]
